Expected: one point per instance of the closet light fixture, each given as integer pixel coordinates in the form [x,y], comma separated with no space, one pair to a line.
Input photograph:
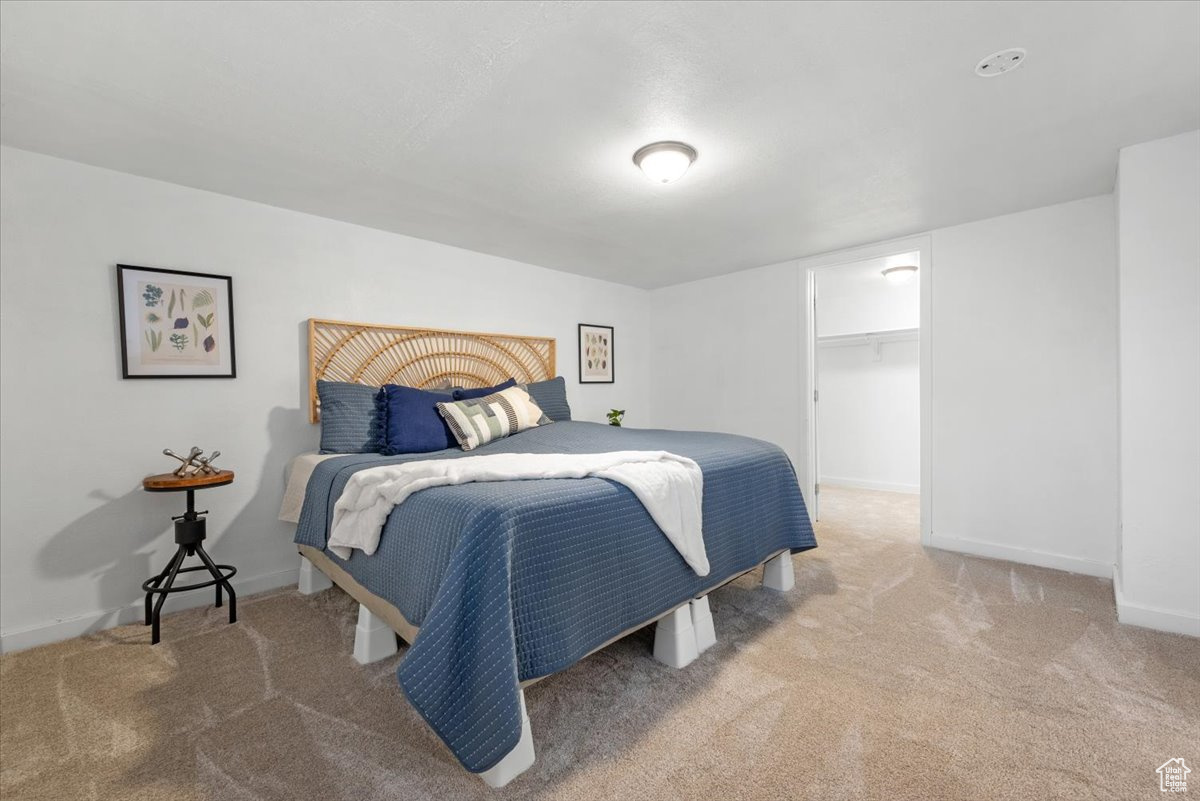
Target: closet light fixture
[665,162]
[900,274]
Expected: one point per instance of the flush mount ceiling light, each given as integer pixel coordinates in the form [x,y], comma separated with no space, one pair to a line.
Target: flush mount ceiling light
[664,162]
[901,274]
[1001,62]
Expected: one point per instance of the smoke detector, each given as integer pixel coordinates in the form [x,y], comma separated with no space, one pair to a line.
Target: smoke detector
[1001,62]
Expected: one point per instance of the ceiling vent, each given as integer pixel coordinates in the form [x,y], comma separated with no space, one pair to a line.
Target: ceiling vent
[1000,63]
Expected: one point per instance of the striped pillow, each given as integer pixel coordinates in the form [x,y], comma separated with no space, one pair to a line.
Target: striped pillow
[478,421]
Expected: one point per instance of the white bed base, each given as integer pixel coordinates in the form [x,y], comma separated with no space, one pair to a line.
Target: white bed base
[516,761]
[312,580]
[373,639]
[680,637]
[779,573]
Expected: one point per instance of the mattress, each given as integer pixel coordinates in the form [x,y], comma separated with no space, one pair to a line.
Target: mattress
[295,476]
[511,581]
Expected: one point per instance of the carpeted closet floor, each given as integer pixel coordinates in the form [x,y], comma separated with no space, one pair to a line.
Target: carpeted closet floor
[890,672]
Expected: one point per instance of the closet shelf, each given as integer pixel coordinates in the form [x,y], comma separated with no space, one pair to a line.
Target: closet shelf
[869,337]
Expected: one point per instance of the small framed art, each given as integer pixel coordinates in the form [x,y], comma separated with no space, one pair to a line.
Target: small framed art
[175,324]
[595,354]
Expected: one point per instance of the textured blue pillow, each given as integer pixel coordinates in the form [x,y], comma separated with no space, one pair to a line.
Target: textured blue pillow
[552,397]
[468,394]
[350,422]
[412,423]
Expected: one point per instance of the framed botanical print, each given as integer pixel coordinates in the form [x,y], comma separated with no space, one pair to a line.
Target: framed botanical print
[595,354]
[175,324]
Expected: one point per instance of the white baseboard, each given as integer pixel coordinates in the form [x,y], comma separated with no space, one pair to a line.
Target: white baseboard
[59,630]
[1026,556]
[861,483]
[1151,617]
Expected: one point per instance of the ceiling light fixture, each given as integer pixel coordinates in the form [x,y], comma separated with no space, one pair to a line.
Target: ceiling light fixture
[900,274]
[1000,62]
[665,162]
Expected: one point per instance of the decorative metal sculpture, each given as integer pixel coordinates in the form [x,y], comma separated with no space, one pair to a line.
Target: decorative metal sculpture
[195,463]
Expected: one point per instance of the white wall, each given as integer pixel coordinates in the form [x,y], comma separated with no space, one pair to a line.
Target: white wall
[724,357]
[1025,386]
[77,534]
[1158,583]
[1024,378]
[869,420]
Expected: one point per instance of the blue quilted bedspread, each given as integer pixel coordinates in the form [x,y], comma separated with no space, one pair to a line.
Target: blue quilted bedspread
[519,579]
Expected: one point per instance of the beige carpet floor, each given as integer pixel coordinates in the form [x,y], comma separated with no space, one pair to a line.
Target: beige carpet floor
[890,672]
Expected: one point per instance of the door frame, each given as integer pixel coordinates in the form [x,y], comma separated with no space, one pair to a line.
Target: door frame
[923,244]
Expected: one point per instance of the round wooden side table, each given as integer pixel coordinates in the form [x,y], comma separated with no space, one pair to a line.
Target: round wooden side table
[189,534]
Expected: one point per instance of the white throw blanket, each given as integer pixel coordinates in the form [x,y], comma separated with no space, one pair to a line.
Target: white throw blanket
[671,488]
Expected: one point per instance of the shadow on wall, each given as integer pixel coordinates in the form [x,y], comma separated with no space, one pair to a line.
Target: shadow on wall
[128,537]
[111,544]
[256,526]
[114,544]
[255,529]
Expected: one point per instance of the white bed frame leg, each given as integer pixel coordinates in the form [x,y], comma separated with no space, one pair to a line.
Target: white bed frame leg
[779,573]
[373,639]
[675,639]
[312,580]
[516,761]
[702,624]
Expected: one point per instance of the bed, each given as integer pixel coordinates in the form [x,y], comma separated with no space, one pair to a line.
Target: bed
[498,584]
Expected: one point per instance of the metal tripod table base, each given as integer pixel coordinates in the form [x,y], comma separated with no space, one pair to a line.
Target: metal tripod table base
[189,535]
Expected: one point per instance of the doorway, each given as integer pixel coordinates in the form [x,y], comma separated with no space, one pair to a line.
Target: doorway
[868,376]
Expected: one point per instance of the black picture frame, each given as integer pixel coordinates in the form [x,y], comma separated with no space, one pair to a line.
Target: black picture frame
[592,375]
[129,370]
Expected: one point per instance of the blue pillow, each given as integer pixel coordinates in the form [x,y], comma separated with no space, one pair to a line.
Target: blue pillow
[468,394]
[350,422]
[551,396]
[412,423]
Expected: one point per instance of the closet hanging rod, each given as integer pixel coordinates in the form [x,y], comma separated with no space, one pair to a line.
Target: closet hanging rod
[867,337]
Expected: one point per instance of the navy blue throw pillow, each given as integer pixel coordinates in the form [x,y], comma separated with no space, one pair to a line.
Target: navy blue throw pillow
[413,424]
[468,394]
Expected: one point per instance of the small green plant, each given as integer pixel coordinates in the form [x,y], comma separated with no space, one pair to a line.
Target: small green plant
[614,417]
[179,341]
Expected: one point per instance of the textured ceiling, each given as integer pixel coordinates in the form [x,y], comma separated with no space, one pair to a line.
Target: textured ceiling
[508,128]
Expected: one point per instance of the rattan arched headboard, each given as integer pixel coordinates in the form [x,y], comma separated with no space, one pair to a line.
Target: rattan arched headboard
[365,353]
